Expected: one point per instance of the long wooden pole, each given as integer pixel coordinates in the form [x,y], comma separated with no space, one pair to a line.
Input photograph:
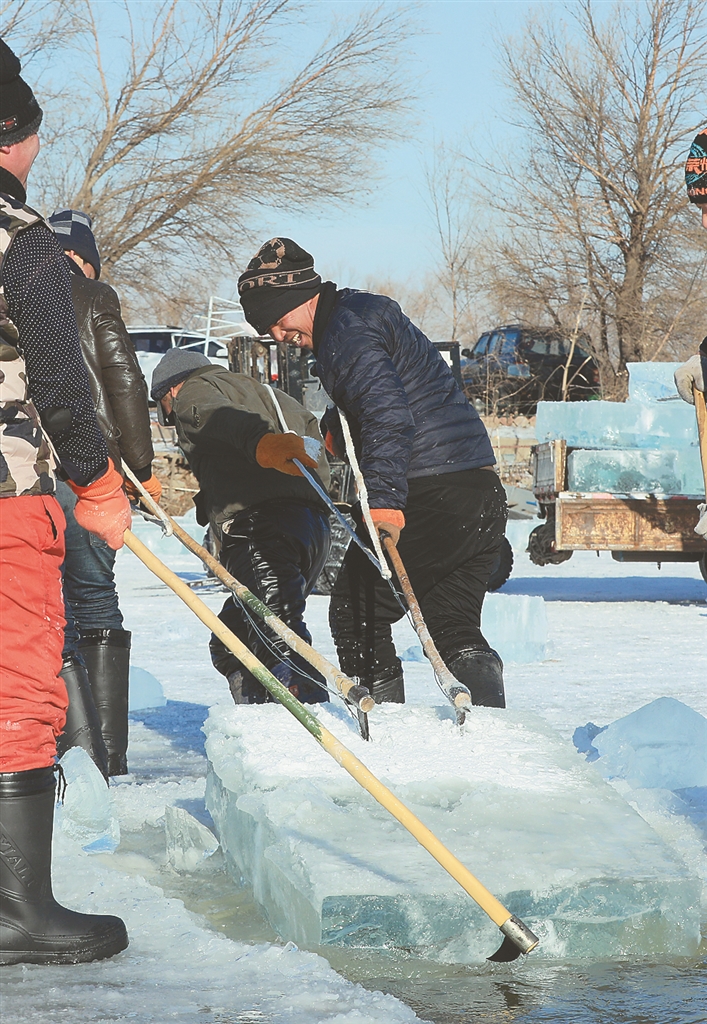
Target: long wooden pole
[512,928]
[701,411]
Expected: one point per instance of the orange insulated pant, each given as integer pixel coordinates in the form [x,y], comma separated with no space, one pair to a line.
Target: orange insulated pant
[32,694]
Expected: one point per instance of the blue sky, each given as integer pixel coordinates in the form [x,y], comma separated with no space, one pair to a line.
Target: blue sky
[455,72]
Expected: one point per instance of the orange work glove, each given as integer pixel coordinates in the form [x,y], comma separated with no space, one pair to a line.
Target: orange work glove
[152,486]
[103,507]
[276,451]
[388,520]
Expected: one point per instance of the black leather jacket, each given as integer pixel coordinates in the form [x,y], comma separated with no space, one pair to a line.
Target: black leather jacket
[117,384]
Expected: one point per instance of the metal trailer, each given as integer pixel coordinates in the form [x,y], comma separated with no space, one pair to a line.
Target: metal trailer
[634,527]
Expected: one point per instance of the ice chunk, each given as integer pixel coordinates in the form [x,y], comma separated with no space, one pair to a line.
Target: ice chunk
[617,424]
[663,745]
[637,470]
[515,625]
[651,382]
[145,691]
[539,827]
[86,814]
[189,843]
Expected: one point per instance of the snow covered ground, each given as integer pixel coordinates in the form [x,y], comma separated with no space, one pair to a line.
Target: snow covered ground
[619,637]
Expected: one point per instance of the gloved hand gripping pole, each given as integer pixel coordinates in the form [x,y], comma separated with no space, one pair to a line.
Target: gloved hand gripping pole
[517,936]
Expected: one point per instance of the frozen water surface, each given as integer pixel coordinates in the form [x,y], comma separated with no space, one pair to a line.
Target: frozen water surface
[507,795]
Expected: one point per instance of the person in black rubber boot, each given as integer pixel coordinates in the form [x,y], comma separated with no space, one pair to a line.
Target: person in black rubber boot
[34,928]
[426,460]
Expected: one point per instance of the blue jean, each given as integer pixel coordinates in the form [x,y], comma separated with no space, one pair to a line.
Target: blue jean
[90,597]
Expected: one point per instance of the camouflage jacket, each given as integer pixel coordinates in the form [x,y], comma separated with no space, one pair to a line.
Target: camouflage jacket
[27,462]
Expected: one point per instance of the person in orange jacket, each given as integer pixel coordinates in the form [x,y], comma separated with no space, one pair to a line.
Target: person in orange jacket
[47,425]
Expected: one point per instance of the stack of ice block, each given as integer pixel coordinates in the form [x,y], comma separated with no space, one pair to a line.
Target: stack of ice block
[540,828]
[648,444]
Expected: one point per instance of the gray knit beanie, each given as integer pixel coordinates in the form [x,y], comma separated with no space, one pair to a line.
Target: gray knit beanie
[175,365]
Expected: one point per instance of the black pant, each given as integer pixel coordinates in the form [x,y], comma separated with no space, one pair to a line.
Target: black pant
[454,526]
[277,551]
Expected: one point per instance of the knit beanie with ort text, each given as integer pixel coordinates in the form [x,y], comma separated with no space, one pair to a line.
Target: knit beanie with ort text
[696,170]
[279,278]
[20,114]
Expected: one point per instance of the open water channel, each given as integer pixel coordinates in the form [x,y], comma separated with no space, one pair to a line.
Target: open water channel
[530,991]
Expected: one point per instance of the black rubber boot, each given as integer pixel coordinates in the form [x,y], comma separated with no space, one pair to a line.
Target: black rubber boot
[34,928]
[481,670]
[387,687]
[83,726]
[107,656]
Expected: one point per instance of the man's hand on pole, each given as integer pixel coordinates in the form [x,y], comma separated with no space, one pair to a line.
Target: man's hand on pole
[390,521]
[152,486]
[103,507]
[276,451]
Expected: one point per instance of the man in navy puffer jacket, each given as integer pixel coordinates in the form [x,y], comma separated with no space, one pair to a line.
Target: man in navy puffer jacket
[426,459]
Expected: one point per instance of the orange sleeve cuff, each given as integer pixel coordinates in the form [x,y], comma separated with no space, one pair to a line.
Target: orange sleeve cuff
[388,515]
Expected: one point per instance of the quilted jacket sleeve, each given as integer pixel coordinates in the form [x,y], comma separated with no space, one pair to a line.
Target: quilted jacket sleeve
[368,388]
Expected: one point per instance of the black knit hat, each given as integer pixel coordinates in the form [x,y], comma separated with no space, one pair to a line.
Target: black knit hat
[20,114]
[279,278]
[696,170]
[73,231]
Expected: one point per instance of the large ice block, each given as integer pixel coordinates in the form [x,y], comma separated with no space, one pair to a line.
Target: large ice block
[516,626]
[618,424]
[635,470]
[662,745]
[652,382]
[540,828]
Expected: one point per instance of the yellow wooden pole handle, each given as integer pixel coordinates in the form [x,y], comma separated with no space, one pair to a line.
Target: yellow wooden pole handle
[701,411]
[341,754]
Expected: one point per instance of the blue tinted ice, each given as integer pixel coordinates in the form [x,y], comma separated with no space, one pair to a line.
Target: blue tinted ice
[86,814]
[145,691]
[651,382]
[661,746]
[540,828]
[620,471]
[618,424]
[515,625]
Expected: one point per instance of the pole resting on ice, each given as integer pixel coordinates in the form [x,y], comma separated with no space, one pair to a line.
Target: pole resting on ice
[517,937]
[356,695]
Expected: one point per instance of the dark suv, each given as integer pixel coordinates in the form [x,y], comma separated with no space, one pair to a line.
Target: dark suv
[511,369]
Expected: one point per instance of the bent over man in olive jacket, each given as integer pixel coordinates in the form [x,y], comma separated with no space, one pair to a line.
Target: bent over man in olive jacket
[272,527]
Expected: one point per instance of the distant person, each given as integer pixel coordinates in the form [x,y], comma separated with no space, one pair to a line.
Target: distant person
[427,463]
[694,372]
[96,642]
[272,529]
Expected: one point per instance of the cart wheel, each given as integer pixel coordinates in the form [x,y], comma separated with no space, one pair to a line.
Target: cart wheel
[502,567]
[703,567]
